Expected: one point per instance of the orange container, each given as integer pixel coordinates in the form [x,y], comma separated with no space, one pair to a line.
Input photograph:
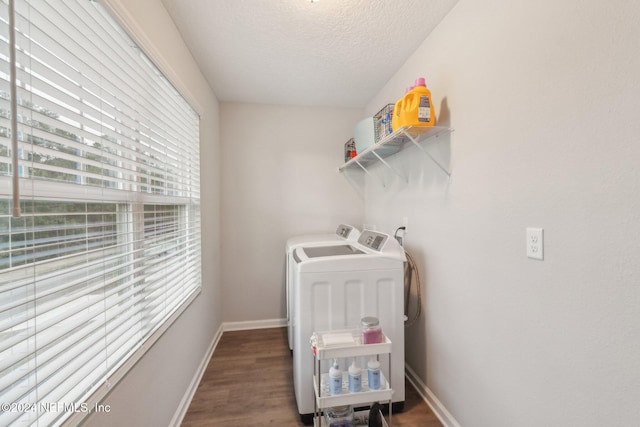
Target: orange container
[395,117]
[415,108]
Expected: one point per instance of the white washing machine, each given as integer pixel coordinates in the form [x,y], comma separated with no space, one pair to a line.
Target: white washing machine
[344,233]
[335,287]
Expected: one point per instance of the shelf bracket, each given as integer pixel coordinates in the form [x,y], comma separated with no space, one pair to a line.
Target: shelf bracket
[369,173]
[359,189]
[412,139]
[389,166]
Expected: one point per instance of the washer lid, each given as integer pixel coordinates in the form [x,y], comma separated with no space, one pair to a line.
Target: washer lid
[324,251]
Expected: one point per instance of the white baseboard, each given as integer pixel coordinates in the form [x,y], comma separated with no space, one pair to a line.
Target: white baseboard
[432,401]
[191,391]
[254,324]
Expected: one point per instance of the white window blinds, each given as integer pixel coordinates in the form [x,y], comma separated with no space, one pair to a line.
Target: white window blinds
[108,244]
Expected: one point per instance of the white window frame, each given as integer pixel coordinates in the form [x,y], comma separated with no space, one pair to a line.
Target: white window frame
[65,192]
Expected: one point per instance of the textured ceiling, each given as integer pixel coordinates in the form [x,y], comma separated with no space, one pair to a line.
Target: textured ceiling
[330,53]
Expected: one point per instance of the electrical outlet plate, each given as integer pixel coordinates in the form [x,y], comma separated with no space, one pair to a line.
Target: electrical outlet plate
[535,243]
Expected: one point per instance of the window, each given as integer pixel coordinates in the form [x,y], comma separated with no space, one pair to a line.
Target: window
[107,247]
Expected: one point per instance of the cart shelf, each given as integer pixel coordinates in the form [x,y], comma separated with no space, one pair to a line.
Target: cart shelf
[345,343]
[360,419]
[327,400]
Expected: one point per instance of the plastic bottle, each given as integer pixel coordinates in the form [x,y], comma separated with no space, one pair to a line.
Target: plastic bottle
[355,378]
[395,118]
[373,374]
[335,379]
[371,331]
[418,106]
[339,416]
[415,108]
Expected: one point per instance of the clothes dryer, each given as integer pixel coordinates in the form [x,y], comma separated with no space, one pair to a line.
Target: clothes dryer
[335,287]
[344,233]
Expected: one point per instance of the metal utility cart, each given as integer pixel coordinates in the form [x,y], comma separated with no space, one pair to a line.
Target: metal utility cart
[341,344]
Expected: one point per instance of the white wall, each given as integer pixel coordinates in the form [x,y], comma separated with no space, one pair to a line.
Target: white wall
[544,98]
[280,179]
[151,393]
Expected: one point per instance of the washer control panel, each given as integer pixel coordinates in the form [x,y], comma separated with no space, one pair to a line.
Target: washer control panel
[344,230]
[373,240]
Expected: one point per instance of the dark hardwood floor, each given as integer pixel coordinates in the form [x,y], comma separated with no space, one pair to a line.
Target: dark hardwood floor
[249,383]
